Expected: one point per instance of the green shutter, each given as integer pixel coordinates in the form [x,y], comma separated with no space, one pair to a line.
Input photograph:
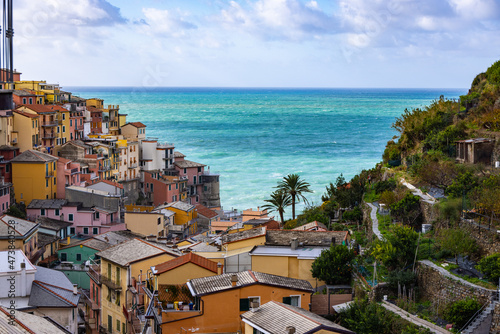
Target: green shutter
[244,304]
[287,300]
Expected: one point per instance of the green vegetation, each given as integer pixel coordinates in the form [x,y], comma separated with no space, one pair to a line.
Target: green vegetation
[398,250]
[461,311]
[278,202]
[458,242]
[294,186]
[333,266]
[490,266]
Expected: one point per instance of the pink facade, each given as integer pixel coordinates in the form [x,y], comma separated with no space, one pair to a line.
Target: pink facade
[194,176]
[86,221]
[160,189]
[76,120]
[68,174]
[4,196]
[8,153]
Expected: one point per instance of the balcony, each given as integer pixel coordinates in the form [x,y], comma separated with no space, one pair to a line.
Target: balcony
[164,145]
[133,165]
[49,174]
[94,272]
[49,124]
[79,127]
[111,283]
[48,136]
[89,302]
[104,168]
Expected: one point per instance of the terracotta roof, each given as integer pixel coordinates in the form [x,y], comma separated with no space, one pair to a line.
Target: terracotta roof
[26,114]
[305,238]
[243,235]
[213,284]
[136,124]
[275,317]
[267,222]
[34,156]
[190,257]
[311,226]
[44,108]
[205,212]
[188,164]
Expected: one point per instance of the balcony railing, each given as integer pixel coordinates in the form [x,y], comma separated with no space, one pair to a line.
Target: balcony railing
[104,168]
[110,282]
[88,301]
[53,123]
[133,165]
[49,174]
[95,272]
[48,135]
[79,127]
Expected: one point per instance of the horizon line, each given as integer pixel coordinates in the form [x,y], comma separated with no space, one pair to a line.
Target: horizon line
[257,87]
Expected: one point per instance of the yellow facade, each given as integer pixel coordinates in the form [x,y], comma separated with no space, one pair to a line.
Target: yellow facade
[26,130]
[146,223]
[257,241]
[6,135]
[113,299]
[288,266]
[52,93]
[64,129]
[34,180]
[96,103]
[182,274]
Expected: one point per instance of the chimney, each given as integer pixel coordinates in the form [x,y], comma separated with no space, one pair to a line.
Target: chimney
[75,289]
[294,243]
[234,279]
[219,268]
[290,330]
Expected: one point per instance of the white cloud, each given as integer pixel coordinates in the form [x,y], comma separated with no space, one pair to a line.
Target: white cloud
[165,22]
[278,19]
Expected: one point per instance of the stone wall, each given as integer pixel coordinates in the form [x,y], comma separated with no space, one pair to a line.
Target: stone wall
[441,290]
[429,212]
[367,221]
[495,322]
[487,240]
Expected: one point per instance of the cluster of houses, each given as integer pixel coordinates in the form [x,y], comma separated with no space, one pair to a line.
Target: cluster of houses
[122,234]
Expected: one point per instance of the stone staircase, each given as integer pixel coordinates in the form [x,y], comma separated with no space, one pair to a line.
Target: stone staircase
[482,323]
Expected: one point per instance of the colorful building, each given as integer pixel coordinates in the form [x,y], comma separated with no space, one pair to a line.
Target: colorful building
[25,235]
[34,176]
[26,130]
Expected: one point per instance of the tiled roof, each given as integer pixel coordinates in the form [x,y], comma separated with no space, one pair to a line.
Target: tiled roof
[305,238]
[34,156]
[26,114]
[111,183]
[242,235]
[188,164]
[267,222]
[46,204]
[98,245]
[116,237]
[22,227]
[22,92]
[205,212]
[275,317]
[178,154]
[213,284]
[133,250]
[182,260]
[44,108]
[53,224]
[178,205]
[311,225]
[46,239]
[51,288]
[27,323]
[136,124]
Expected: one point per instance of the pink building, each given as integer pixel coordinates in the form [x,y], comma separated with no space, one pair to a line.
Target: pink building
[5,196]
[161,189]
[194,172]
[85,221]
[7,153]
[68,174]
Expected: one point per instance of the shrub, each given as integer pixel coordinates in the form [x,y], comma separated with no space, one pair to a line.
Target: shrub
[490,266]
[461,311]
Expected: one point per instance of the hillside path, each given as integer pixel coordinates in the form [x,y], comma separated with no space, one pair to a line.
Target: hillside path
[417,192]
[414,319]
[373,216]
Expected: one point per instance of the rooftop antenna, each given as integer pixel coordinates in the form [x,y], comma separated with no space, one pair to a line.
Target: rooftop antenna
[7,33]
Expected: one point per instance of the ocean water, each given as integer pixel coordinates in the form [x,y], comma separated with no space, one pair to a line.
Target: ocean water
[254,137]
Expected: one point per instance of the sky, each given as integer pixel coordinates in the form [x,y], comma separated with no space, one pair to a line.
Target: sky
[256,43]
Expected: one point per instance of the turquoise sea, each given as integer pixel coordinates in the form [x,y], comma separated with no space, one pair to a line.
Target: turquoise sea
[254,137]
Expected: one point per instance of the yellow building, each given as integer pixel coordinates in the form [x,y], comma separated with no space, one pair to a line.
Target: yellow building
[26,130]
[182,269]
[25,235]
[95,102]
[185,214]
[276,317]
[243,239]
[51,92]
[147,223]
[291,253]
[34,176]
[121,267]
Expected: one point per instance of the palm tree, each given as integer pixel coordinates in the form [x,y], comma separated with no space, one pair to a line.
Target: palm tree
[278,202]
[294,186]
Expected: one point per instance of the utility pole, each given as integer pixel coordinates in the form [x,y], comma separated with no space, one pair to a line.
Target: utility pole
[7,56]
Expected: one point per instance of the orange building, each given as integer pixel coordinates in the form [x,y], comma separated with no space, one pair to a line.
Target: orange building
[218,301]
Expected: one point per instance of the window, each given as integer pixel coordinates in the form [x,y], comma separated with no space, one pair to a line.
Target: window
[64,128]
[24,100]
[70,217]
[42,212]
[46,183]
[31,100]
[159,220]
[117,302]
[256,331]
[71,230]
[97,215]
[246,303]
[194,179]
[95,230]
[70,122]
[184,170]
[78,256]
[64,257]
[117,324]
[151,187]
[199,169]
[169,187]
[85,230]
[54,181]
[124,329]
[110,324]
[197,199]
[292,300]
[63,116]
[56,212]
